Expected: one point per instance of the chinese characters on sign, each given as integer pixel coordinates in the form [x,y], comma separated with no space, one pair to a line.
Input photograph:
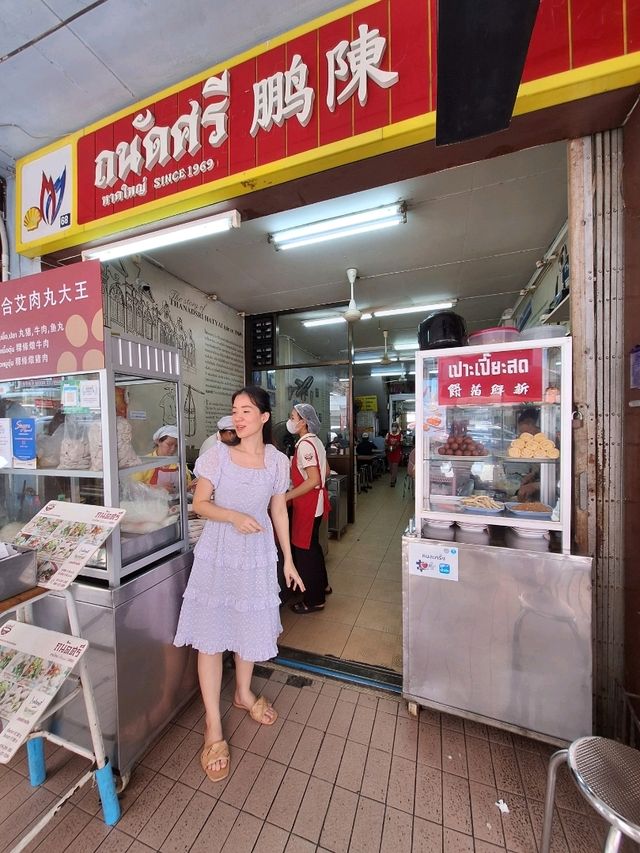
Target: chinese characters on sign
[276,99]
[52,322]
[503,377]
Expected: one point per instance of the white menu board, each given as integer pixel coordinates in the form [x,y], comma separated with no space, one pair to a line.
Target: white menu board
[66,536]
[34,663]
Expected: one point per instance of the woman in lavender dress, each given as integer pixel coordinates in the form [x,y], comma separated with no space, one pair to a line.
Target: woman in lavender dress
[232,599]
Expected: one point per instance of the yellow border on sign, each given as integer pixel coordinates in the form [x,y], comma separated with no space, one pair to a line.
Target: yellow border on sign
[535,95]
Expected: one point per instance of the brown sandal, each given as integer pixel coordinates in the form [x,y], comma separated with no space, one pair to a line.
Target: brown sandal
[217,751]
[258,710]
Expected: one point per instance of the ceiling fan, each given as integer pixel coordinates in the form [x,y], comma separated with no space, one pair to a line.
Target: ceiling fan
[385,357]
[352,314]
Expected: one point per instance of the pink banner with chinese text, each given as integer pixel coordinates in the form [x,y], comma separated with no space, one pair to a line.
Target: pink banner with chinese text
[503,377]
[52,322]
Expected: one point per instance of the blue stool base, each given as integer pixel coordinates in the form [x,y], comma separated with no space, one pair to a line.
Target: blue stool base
[108,796]
[35,759]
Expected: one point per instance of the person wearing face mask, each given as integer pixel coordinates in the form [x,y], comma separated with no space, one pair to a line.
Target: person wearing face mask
[310,502]
[393,446]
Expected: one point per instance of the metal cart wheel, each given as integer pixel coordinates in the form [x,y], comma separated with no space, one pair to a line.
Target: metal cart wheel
[413,708]
[122,781]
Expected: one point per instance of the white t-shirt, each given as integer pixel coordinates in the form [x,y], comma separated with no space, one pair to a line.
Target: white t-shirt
[305,458]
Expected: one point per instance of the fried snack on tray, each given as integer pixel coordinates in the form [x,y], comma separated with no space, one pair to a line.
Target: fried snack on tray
[532,507]
[481,502]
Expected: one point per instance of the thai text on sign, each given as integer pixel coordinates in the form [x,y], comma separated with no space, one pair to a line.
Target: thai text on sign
[502,377]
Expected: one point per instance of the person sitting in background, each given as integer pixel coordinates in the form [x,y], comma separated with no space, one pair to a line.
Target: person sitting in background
[530,484]
[165,477]
[226,434]
[365,446]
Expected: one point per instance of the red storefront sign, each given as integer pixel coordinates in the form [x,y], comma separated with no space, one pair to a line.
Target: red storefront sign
[370,69]
[52,322]
[511,376]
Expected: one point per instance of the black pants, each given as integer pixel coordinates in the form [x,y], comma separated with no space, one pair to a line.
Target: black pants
[311,567]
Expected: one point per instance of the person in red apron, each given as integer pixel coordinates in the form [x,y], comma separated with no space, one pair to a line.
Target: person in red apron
[393,446]
[310,503]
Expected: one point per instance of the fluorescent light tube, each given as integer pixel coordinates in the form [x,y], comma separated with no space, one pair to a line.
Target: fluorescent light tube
[387,371]
[340,226]
[377,360]
[323,321]
[215,224]
[436,306]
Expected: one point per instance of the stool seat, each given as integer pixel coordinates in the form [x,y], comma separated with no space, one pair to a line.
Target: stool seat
[608,775]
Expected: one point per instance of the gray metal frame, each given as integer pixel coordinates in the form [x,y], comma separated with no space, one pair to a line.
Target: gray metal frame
[607,775]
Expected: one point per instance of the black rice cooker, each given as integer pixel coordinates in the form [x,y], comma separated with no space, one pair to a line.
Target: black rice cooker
[441,330]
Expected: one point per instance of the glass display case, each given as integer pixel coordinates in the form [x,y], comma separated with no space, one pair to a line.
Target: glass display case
[96,438]
[494,440]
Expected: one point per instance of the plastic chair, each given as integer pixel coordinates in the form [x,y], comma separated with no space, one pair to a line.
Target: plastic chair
[607,774]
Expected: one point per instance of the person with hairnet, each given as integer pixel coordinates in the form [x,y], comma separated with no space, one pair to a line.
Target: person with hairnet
[165,440]
[310,502]
[226,434]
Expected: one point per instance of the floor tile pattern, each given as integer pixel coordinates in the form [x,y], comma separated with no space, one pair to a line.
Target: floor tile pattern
[343,769]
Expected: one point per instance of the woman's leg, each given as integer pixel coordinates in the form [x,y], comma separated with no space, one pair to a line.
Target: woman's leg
[210,677]
[310,564]
[393,467]
[244,696]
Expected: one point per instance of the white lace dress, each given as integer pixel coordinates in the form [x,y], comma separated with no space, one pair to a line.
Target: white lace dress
[232,598]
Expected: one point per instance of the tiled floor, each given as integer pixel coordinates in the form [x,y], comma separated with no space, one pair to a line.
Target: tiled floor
[362,619]
[342,769]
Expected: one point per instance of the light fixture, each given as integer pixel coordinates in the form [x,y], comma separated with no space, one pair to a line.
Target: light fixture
[340,226]
[377,360]
[323,321]
[330,321]
[387,371]
[413,309]
[215,224]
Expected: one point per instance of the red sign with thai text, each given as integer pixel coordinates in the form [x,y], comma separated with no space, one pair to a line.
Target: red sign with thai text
[52,322]
[512,376]
[371,68]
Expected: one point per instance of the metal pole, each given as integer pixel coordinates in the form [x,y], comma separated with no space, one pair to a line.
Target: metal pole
[554,762]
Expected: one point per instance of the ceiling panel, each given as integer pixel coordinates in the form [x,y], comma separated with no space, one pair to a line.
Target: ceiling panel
[21,22]
[148,45]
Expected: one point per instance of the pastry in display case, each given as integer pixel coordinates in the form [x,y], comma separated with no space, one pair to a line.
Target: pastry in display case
[109,437]
[495,439]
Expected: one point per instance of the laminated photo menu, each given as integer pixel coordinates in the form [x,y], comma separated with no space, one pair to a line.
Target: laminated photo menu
[34,663]
[66,536]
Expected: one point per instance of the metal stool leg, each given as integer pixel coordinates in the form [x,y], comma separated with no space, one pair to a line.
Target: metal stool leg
[554,762]
[614,839]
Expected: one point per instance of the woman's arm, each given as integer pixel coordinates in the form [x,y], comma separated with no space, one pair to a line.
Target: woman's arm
[280,519]
[312,482]
[203,506]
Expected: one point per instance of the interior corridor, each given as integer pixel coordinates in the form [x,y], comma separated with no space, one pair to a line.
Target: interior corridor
[362,618]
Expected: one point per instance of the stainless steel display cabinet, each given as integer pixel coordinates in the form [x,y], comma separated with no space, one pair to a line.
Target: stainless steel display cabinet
[94,437]
[499,635]
[140,679]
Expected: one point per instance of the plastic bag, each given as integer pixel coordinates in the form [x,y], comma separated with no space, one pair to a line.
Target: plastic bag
[48,448]
[147,509]
[127,457]
[74,448]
